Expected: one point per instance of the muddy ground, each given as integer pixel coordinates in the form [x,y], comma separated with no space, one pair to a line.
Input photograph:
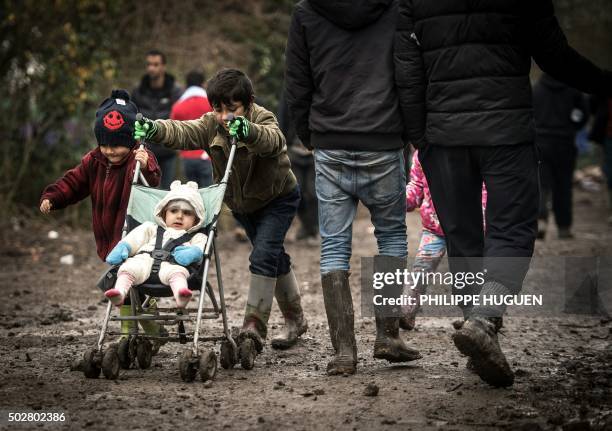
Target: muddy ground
[51,313]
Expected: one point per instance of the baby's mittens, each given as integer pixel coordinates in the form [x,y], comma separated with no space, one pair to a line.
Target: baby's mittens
[187,254]
[118,254]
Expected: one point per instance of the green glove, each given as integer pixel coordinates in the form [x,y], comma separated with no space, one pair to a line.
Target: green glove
[144,129]
[239,127]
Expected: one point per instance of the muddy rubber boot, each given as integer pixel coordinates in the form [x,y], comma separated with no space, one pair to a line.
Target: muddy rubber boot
[287,295]
[257,313]
[341,322]
[477,339]
[389,345]
[126,325]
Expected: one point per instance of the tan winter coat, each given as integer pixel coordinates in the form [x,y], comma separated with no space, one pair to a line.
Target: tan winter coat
[261,170]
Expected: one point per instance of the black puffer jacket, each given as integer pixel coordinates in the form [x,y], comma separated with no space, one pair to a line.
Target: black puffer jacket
[462,68]
[156,104]
[339,74]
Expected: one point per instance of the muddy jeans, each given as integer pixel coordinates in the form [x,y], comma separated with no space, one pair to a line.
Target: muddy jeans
[343,179]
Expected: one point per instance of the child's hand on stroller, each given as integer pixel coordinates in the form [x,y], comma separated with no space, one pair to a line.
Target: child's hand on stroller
[118,254]
[186,254]
[142,157]
[239,127]
[144,129]
[45,206]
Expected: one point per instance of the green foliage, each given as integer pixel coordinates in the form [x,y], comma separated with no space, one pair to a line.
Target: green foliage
[53,58]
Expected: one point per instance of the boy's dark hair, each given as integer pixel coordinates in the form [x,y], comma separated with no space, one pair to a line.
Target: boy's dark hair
[157,52]
[195,77]
[230,85]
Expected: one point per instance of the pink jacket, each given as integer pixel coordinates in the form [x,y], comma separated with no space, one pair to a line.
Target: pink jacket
[418,195]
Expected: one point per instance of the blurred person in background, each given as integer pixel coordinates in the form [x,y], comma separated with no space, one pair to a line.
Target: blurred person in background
[601,133]
[560,112]
[191,106]
[154,97]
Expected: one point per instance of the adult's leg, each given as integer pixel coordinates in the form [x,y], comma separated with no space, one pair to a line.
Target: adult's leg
[337,208]
[511,178]
[547,155]
[565,163]
[455,183]
[381,185]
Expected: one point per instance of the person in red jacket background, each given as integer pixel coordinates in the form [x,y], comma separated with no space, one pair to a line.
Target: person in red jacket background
[105,173]
[191,106]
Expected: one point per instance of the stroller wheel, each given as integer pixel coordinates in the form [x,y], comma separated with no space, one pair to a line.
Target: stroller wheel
[91,364]
[227,355]
[188,366]
[208,365]
[110,363]
[247,353]
[126,357]
[144,353]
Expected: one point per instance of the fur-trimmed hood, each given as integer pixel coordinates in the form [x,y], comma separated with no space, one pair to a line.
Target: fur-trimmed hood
[187,192]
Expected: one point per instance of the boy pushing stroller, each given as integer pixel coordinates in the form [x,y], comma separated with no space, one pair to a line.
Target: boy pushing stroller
[262,193]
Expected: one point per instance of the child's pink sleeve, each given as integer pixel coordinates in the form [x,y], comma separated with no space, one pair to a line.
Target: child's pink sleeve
[414,189]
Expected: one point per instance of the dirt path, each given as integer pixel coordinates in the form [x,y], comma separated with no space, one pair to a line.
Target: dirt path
[51,313]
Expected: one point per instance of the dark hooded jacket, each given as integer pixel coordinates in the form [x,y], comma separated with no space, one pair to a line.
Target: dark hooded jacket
[560,111]
[339,74]
[156,104]
[463,67]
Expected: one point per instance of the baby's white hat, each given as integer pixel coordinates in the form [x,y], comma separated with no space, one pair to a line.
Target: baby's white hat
[187,192]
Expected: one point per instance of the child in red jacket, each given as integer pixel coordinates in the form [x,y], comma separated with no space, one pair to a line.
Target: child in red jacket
[105,174]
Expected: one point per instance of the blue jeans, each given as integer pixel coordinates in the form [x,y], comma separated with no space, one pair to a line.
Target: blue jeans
[198,170]
[266,229]
[343,179]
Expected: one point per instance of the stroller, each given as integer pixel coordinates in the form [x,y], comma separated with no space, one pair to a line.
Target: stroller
[137,347]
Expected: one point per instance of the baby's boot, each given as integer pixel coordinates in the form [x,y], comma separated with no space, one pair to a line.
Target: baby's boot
[117,294]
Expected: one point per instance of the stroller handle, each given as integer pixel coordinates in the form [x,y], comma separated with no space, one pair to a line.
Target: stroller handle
[137,174]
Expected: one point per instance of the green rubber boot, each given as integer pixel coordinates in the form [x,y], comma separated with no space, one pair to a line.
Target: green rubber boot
[127,326]
[153,328]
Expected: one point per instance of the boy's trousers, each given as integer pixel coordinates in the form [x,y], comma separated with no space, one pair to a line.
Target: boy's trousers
[266,229]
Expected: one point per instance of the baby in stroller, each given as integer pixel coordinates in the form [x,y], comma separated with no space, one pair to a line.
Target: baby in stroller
[179,216]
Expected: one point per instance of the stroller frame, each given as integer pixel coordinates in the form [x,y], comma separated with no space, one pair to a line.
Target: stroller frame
[138,347]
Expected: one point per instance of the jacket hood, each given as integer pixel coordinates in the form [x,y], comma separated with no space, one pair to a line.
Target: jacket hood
[186,192]
[351,14]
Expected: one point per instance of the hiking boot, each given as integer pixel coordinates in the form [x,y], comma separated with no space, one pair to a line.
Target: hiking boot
[477,339]
[340,319]
[287,295]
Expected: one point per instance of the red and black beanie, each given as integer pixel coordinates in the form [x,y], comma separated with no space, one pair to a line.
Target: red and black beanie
[115,120]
